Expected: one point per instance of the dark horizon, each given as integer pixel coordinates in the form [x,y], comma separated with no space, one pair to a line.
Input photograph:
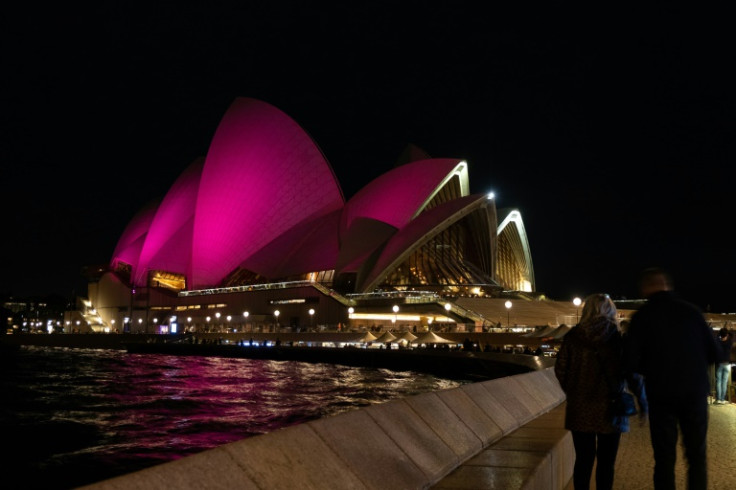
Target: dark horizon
[612,139]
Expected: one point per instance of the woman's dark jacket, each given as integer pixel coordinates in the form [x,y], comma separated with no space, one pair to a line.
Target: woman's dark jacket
[589,369]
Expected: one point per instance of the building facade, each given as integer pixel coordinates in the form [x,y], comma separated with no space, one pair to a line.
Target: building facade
[258,234]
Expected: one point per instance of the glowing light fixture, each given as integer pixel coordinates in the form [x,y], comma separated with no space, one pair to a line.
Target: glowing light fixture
[577,302]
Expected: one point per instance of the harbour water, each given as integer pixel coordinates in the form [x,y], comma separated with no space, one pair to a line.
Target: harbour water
[70,417]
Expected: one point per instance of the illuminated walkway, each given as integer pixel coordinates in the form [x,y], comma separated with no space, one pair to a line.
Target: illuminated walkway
[635,463]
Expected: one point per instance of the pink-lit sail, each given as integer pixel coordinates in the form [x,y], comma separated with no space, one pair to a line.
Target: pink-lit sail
[129,245]
[361,240]
[310,246]
[263,175]
[418,232]
[168,244]
[397,196]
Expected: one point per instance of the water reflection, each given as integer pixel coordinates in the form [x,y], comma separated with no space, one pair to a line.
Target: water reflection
[73,416]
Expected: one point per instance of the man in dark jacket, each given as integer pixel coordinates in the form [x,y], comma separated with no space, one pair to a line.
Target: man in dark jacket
[672,346]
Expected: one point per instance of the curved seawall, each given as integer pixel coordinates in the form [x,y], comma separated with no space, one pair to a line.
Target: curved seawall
[439,439]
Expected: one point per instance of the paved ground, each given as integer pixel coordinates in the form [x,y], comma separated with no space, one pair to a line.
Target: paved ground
[635,463]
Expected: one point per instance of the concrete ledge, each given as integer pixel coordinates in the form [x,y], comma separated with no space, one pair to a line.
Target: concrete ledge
[506,430]
[539,455]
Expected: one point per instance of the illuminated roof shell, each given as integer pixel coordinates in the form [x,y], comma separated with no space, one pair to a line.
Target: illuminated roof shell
[262,176]
[419,231]
[399,195]
[310,246]
[131,242]
[265,201]
[391,201]
[511,230]
[168,244]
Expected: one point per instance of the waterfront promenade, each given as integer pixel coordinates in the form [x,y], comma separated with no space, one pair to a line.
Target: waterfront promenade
[635,461]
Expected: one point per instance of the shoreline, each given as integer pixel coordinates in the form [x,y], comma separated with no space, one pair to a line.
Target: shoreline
[442,362]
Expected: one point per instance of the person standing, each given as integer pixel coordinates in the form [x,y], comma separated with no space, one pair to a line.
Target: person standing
[723,366]
[589,369]
[672,346]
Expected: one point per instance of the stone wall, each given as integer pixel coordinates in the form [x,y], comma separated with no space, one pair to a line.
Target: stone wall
[414,442]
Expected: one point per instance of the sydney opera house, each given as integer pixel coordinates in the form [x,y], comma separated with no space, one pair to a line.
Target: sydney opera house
[257,235]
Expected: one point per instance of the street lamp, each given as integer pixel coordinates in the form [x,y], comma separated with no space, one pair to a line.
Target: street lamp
[311,316]
[577,301]
[351,310]
[396,313]
[276,314]
[245,315]
[508,313]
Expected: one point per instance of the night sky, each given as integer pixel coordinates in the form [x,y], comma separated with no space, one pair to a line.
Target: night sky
[612,132]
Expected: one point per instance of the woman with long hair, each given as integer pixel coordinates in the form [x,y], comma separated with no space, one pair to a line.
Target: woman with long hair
[590,371]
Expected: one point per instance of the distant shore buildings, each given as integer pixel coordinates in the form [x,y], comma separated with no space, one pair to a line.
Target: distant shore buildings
[258,234]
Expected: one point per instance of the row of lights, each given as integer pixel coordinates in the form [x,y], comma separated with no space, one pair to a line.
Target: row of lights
[276,314]
[448,306]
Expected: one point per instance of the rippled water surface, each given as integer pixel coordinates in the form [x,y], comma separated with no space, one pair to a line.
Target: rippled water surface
[74,416]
